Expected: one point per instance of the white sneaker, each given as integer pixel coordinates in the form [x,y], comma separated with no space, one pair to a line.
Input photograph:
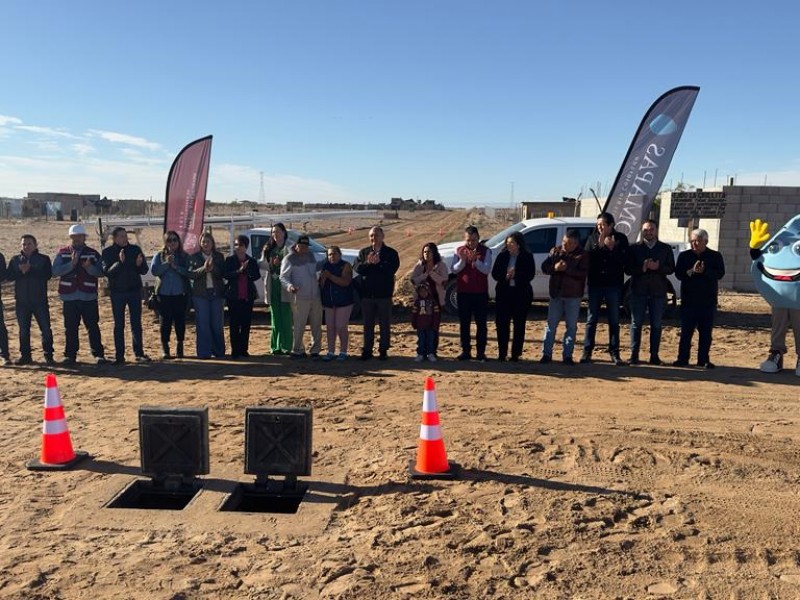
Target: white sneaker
[773,364]
[797,368]
[419,358]
[432,358]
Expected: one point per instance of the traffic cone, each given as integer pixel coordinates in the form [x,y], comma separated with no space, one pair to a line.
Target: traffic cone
[57,452]
[431,457]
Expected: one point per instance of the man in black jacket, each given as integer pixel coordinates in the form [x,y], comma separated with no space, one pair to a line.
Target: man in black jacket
[30,272]
[651,261]
[608,254]
[4,356]
[699,270]
[124,264]
[376,265]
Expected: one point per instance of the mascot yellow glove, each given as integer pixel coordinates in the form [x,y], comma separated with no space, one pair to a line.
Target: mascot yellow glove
[758,233]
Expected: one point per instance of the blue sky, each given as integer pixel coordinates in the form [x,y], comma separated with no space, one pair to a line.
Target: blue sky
[345,100]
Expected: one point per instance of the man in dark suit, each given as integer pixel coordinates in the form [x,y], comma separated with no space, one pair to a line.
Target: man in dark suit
[699,270]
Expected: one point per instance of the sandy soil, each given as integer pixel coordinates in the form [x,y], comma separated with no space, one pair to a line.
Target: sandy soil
[586,482]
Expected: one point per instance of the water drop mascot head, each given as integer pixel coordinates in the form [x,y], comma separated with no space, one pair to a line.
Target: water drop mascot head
[776,273]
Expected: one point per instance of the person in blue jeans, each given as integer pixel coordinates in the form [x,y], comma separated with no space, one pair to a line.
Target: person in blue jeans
[567,266]
[206,267]
[172,288]
[649,265]
[123,265]
[425,318]
[608,256]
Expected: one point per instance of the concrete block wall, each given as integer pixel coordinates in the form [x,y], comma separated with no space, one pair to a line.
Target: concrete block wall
[669,231]
[731,234]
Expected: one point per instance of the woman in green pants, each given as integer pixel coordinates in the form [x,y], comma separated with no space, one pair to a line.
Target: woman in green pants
[280,310]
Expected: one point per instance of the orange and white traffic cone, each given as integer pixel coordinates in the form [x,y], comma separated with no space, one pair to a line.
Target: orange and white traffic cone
[432,460]
[57,452]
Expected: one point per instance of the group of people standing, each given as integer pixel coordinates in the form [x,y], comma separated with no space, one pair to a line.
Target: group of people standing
[604,261]
[78,268]
[205,278]
[299,289]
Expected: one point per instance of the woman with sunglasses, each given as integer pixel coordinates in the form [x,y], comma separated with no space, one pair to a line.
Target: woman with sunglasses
[170,268]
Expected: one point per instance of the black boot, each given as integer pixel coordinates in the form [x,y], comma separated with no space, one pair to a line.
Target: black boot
[179,349]
[165,351]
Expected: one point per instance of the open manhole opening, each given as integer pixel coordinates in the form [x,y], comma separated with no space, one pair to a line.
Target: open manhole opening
[173,443]
[277,442]
[266,497]
[152,495]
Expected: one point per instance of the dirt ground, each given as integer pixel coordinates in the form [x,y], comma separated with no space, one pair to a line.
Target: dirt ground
[582,482]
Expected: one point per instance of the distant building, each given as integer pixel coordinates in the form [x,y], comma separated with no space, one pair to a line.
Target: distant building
[69,206]
[51,203]
[11,208]
[411,204]
[131,208]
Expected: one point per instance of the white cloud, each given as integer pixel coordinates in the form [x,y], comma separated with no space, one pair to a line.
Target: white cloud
[45,145]
[123,138]
[84,172]
[5,120]
[47,131]
[229,182]
[80,174]
[119,165]
[138,157]
[83,149]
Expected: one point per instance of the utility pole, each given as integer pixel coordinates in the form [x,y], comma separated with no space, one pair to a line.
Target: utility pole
[262,199]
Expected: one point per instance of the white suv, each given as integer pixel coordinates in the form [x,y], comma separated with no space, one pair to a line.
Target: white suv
[540,236]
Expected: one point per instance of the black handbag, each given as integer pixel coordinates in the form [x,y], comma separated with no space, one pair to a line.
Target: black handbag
[152,301]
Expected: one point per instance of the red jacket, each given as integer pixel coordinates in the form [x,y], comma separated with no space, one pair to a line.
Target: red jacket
[78,279]
[425,314]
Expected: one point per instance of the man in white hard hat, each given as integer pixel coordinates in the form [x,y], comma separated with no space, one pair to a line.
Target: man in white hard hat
[78,267]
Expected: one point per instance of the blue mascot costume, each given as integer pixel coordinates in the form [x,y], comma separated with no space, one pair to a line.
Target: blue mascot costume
[776,272]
